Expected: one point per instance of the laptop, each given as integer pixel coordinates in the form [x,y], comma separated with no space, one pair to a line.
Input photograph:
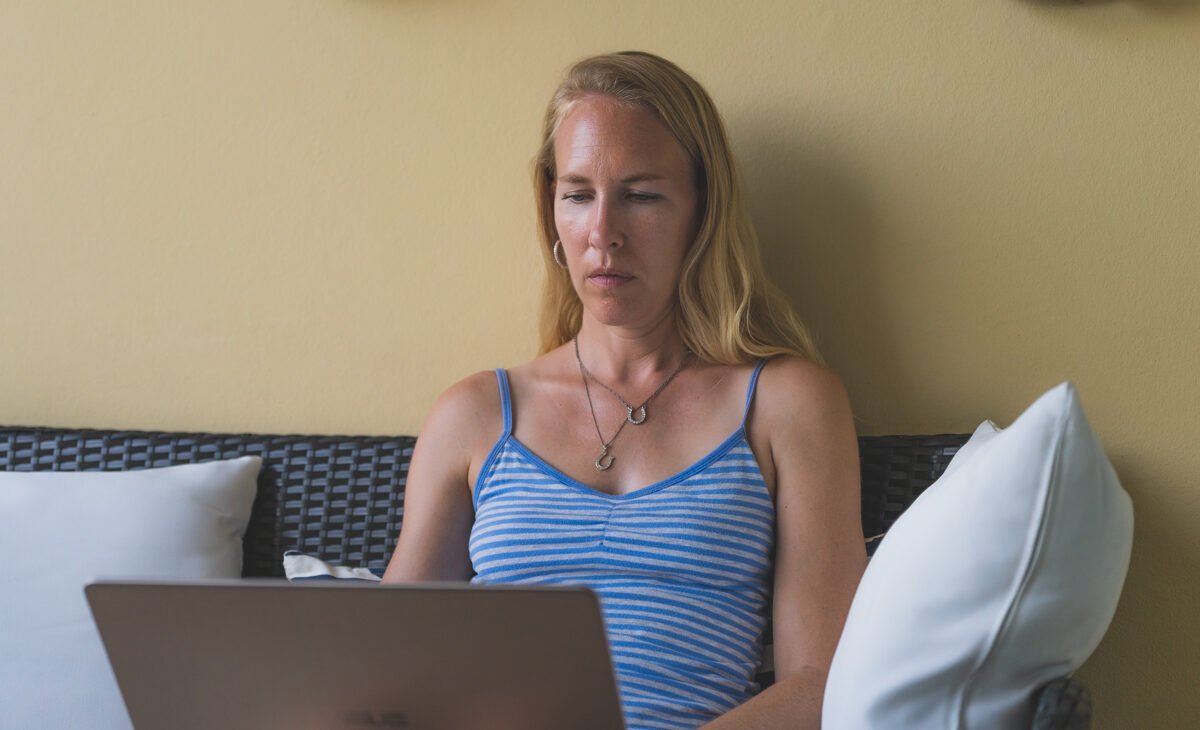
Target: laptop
[255,654]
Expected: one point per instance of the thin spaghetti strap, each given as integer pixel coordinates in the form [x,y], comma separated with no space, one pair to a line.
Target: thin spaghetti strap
[506,408]
[505,400]
[750,390]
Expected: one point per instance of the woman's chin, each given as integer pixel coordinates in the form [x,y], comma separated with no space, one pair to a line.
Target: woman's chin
[610,312]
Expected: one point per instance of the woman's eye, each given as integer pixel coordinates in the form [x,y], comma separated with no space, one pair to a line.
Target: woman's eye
[643,197]
[575,197]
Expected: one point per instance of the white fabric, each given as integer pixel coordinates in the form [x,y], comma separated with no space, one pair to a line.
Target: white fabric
[298,566]
[58,530]
[1002,576]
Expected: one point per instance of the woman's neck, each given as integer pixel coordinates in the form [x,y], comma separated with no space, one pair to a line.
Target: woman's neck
[624,356]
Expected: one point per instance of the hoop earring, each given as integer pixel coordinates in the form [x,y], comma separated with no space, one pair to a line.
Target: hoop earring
[557,248]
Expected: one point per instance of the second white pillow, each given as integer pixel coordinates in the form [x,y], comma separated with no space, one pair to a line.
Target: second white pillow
[1002,576]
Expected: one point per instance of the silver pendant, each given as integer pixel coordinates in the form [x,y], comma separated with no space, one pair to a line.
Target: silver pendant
[604,460]
[635,421]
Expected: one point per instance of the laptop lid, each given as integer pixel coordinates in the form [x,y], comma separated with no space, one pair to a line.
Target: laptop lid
[328,656]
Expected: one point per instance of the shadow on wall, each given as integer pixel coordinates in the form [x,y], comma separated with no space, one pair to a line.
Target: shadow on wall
[1151,640]
[1158,6]
[819,245]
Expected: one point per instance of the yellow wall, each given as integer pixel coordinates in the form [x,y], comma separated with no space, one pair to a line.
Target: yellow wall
[312,216]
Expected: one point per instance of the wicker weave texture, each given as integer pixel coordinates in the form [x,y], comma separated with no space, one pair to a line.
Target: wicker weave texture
[896,469]
[341,497]
[1064,704]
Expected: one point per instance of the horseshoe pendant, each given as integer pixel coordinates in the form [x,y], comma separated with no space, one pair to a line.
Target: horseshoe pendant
[604,460]
[635,421]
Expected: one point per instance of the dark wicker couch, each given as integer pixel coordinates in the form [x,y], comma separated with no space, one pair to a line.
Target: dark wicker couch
[342,497]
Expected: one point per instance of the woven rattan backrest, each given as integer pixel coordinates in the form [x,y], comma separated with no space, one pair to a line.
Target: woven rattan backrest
[896,469]
[342,497]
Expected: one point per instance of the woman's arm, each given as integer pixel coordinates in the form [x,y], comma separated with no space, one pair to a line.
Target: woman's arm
[438,512]
[819,554]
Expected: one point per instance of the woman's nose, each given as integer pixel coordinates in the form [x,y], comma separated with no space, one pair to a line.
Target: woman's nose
[605,230]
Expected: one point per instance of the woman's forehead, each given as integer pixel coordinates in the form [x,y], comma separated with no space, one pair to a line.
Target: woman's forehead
[600,135]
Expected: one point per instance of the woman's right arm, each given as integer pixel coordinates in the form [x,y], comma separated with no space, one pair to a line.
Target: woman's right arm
[438,512]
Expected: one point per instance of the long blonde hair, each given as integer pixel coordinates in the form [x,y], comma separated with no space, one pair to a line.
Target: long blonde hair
[728,311]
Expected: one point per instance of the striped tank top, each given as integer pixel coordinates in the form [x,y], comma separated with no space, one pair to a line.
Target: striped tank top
[681,567]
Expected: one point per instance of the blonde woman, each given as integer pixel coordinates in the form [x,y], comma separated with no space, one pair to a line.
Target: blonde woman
[677,446]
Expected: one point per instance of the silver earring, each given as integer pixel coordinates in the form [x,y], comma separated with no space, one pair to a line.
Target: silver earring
[557,249]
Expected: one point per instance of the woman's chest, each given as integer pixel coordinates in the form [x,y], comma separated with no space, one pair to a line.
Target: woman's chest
[618,450]
[713,523]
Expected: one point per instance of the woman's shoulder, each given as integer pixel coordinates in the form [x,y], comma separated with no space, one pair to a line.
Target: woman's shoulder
[802,418]
[796,391]
[479,395]
[476,388]
[470,406]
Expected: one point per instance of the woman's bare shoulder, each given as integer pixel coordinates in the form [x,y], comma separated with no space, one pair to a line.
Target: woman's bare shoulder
[470,407]
[797,394]
[800,381]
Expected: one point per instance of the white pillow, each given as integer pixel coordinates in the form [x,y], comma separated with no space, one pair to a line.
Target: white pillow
[59,530]
[1002,576]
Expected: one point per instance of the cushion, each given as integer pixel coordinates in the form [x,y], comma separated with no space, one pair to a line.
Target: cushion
[58,530]
[1000,577]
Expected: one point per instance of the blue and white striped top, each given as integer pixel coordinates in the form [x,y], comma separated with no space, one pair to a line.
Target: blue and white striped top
[681,567]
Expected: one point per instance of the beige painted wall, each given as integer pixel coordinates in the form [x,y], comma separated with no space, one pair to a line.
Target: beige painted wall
[312,216]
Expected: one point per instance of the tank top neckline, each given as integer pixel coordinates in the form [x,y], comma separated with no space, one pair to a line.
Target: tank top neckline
[507,437]
[545,467]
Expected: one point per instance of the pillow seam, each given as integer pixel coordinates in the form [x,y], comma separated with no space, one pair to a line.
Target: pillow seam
[1030,561]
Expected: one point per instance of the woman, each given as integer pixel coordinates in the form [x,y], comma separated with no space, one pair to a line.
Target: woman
[676,446]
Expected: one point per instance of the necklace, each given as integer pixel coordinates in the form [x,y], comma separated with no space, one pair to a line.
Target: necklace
[605,459]
[629,408]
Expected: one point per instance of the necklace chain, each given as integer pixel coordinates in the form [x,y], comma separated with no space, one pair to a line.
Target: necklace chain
[605,459]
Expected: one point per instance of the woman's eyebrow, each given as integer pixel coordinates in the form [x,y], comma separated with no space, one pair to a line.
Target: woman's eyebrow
[642,177]
[637,177]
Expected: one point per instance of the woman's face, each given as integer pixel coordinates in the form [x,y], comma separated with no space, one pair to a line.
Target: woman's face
[625,206]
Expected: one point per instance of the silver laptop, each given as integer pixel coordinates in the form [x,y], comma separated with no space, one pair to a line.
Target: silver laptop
[327,656]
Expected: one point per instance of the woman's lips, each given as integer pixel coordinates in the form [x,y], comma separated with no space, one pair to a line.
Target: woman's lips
[609,279]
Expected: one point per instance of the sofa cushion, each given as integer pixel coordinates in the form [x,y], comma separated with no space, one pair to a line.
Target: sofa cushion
[1002,576]
[58,530]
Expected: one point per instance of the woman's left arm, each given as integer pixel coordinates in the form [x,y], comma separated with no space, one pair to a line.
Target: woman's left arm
[803,410]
